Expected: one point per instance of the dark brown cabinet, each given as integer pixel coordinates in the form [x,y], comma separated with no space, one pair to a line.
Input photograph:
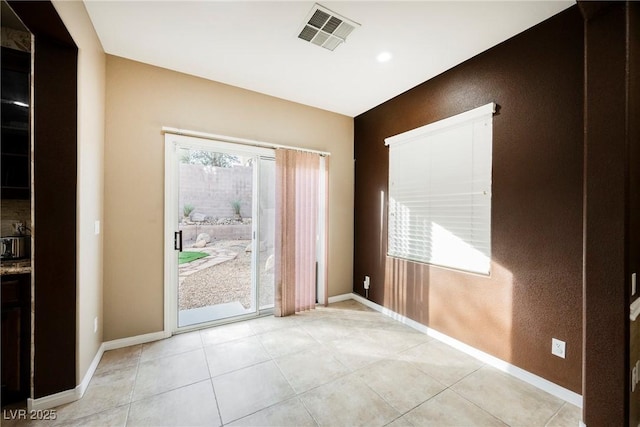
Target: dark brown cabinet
[16,333]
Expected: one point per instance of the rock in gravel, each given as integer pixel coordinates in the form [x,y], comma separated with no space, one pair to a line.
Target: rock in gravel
[200,244]
[203,236]
[249,248]
[268,266]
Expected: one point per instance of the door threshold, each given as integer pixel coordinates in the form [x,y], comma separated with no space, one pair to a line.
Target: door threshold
[223,321]
[211,313]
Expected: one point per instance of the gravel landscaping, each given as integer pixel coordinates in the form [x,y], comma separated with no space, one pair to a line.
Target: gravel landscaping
[226,282]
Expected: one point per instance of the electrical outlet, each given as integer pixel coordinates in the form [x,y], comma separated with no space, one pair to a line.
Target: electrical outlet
[558,348]
[367,282]
[95,325]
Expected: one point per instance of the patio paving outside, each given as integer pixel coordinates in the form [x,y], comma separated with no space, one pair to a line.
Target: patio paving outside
[222,277]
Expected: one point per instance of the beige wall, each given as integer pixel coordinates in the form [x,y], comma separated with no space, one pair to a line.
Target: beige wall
[141,99]
[91,102]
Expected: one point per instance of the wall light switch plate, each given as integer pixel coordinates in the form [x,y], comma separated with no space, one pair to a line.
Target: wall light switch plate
[558,348]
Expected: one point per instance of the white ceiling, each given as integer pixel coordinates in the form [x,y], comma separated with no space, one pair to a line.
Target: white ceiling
[254,44]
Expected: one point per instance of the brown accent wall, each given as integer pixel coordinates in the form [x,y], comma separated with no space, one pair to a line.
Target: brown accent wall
[54,227]
[612,200]
[534,291]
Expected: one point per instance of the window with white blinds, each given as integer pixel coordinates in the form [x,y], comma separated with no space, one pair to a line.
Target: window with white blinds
[440,192]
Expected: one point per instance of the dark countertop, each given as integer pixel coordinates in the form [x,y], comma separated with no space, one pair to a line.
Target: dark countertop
[15,266]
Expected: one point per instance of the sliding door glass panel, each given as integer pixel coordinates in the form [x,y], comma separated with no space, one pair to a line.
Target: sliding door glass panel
[266,233]
[216,220]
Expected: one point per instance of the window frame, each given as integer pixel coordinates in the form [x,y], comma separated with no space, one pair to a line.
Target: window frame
[446,201]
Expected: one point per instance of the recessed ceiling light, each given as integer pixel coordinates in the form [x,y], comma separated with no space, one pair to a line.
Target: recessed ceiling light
[384,56]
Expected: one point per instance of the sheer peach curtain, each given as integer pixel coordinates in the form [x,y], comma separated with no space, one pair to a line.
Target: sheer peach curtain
[297,203]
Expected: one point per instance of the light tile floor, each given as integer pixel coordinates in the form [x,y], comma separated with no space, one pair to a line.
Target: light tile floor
[344,365]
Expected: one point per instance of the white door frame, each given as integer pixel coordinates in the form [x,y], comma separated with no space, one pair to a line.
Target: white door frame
[172,142]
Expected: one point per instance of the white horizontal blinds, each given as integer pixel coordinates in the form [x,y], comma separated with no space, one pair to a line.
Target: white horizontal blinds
[440,192]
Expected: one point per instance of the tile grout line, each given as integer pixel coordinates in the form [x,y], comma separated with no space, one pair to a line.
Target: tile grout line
[167,340]
[555,413]
[271,359]
[307,409]
[402,414]
[446,387]
[135,381]
[126,418]
[478,406]
[213,388]
[299,395]
[450,388]
[374,391]
[420,404]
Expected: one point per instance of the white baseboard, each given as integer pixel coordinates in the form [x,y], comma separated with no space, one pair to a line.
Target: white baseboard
[339,298]
[82,387]
[68,396]
[138,339]
[526,376]
[53,400]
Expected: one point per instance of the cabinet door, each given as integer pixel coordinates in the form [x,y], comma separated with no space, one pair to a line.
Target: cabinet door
[16,337]
[11,350]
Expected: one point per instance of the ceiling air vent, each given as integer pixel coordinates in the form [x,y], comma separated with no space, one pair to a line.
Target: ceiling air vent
[325,28]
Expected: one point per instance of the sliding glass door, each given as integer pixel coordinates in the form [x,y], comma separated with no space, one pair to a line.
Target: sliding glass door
[220,213]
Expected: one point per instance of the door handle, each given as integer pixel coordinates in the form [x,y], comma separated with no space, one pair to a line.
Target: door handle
[177,240]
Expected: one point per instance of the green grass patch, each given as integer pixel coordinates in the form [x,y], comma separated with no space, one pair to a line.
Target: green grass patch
[186,256]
